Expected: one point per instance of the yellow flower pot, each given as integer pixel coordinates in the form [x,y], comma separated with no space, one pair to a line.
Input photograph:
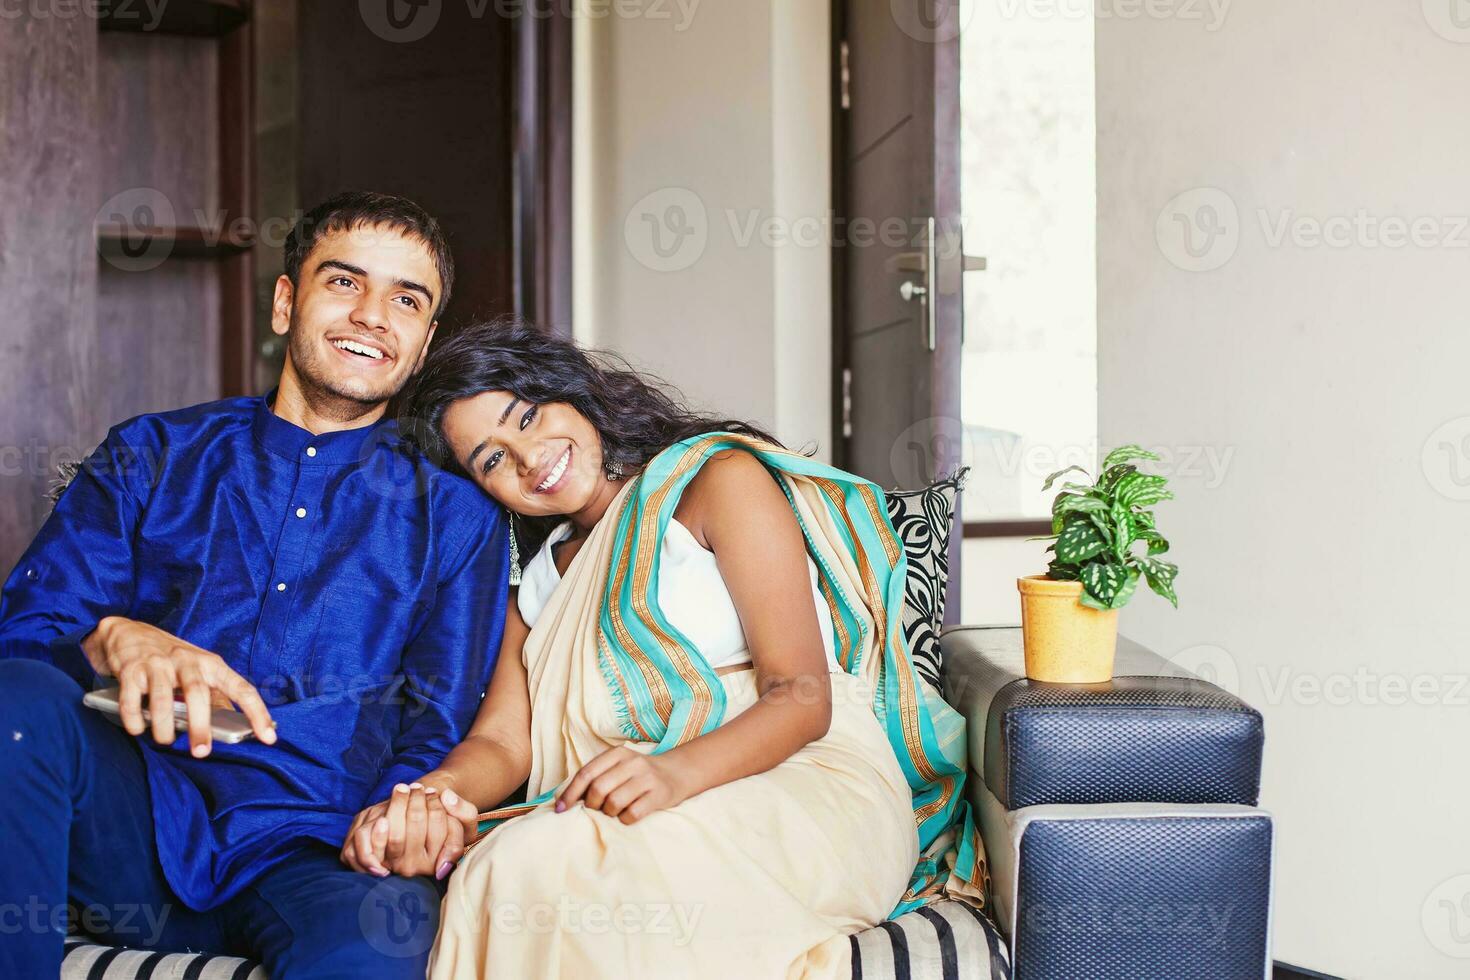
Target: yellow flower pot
[1066,642]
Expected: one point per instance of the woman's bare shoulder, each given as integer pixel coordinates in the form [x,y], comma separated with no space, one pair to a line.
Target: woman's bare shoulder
[732,487]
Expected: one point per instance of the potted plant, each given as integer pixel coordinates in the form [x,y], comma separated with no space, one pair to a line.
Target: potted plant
[1103,541]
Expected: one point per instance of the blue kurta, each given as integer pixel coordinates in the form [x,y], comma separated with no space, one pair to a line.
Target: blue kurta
[358,587]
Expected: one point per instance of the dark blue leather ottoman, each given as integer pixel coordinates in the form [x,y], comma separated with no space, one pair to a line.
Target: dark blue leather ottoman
[1119,819]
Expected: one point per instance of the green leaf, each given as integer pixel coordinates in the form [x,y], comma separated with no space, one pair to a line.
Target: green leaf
[1161,575]
[1110,478]
[1078,542]
[1122,530]
[1058,572]
[1067,503]
[1102,583]
[1099,521]
[1053,478]
[1125,592]
[1124,453]
[1142,490]
[1157,543]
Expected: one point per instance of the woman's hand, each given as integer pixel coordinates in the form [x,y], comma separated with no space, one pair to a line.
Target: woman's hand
[359,851]
[418,830]
[626,784]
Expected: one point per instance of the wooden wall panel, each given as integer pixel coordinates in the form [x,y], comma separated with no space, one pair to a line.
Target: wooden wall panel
[159,118]
[159,129]
[48,261]
[429,119]
[277,201]
[543,171]
[160,330]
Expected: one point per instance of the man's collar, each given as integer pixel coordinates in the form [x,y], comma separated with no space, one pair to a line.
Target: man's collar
[292,442]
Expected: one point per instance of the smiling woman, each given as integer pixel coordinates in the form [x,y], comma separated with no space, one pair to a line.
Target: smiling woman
[645,737]
[539,463]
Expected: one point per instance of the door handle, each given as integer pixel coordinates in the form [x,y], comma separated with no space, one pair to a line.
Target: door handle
[926,263]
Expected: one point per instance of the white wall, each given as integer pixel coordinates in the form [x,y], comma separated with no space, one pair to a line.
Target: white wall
[988,582]
[709,128]
[1332,378]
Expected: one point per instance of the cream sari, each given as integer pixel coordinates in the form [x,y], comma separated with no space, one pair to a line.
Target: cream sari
[765,876]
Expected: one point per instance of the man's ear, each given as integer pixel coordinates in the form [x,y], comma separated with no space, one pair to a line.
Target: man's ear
[425,352]
[281,306]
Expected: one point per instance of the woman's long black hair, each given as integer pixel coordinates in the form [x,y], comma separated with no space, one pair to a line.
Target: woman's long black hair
[636,416]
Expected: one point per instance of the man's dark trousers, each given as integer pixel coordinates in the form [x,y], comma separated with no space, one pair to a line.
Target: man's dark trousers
[77,822]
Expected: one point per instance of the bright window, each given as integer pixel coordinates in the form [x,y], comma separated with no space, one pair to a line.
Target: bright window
[1029,195]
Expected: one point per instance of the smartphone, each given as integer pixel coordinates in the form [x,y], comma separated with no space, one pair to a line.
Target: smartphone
[225,724]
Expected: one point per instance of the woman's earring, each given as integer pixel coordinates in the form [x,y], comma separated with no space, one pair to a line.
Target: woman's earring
[614,471]
[515,552]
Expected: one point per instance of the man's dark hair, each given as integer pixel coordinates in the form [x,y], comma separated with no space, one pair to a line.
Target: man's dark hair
[356,209]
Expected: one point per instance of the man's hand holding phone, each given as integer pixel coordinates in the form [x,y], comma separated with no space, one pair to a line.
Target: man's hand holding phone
[149,662]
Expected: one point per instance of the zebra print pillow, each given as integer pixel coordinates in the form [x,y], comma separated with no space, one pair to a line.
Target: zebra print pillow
[923,519]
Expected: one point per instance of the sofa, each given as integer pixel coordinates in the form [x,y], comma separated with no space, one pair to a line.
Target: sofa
[1120,823]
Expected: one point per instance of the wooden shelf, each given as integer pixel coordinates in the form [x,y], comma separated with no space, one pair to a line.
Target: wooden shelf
[189,243]
[1008,527]
[193,18]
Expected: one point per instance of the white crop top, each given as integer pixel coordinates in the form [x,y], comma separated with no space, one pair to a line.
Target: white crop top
[691,594]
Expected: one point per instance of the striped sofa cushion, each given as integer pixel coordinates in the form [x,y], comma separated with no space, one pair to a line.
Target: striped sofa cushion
[947,941]
[88,961]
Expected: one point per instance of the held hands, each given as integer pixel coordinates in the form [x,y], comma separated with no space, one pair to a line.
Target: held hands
[626,784]
[418,830]
[148,661]
[422,830]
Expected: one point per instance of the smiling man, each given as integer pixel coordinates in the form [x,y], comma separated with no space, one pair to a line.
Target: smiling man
[289,554]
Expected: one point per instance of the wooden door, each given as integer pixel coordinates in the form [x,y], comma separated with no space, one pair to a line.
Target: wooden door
[419,106]
[899,314]
[899,306]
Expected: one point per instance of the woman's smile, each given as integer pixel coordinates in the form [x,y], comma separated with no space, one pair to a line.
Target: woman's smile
[555,476]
